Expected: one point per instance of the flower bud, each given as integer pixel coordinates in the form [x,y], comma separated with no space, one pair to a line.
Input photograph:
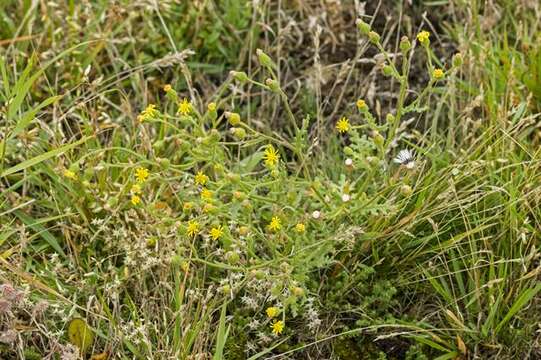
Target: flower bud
[387,70]
[457,60]
[243,230]
[273,85]
[238,133]
[264,59]
[379,140]
[240,76]
[233,118]
[373,37]
[348,151]
[232,257]
[405,44]
[211,107]
[364,28]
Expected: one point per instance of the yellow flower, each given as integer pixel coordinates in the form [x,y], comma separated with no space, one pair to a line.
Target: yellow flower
[271,156]
[277,327]
[423,37]
[211,106]
[275,224]
[185,107]
[167,88]
[149,113]
[361,105]
[438,74]
[216,232]
[70,174]
[200,178]
[135,200]
[343,125]
[206,194]
[135,189]
[193,228]
[272,312]
[187,206]
[141,174]
[300,228]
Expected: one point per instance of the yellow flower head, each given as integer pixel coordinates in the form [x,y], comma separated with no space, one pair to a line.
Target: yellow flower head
[272,312]
[150,112]
[70,174]
[167,88]
[200,178]
[206,194]
[185,107]
[211,106]
[141,174]
[438,74]
[361,105]
[300,228]
[271,156]
[275,224]
[343,125]
[423,37]
[135,189]
[193,228]
[135,200]
[187,206]
[277,327]
[216,232]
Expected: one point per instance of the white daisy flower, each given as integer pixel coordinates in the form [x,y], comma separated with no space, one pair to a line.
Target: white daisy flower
[346,197]
[406,158]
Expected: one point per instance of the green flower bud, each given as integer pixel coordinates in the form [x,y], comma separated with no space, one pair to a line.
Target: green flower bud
[348,150]
[379,140]
[239,133]
[387,70]
[405,44]
[373,37]
[151,241]
[390,118]
[233,118]
[264,59]
[212,113]
[233,177]
[273,85]
[164,163]
[232,257]
[457,60]
[364,28]
[240,76]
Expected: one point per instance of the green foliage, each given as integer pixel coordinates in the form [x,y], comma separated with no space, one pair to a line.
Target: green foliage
[188,213]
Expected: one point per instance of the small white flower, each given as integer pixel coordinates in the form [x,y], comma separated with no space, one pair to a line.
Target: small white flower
[316,214]
[348,162]
[346,197]
[406,158]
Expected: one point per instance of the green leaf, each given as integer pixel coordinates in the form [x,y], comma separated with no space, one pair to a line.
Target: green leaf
[80,334]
